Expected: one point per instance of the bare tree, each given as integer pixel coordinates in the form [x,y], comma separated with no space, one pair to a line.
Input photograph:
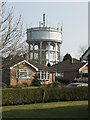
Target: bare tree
[12,32]
[81,50]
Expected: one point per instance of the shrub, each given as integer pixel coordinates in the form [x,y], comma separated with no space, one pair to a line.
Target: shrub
[36,81]
[63,81]
[66,94]
[16,86]
[16,96]
[55,84]
[10,86]
[24,85]
[3,85]
[21,96]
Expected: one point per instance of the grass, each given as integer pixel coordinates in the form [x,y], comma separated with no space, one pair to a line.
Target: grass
[68,109]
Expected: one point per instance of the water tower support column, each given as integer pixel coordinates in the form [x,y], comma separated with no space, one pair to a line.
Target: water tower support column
[49,51]
[40,52]
[59,53]
[55,52]
[33,51]
[29,52]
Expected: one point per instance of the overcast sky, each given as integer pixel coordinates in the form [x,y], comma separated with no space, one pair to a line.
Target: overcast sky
[73,15]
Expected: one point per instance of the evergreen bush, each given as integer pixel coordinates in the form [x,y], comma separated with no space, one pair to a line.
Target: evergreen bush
[66,94]
[55,84]
[15,96]
[21,96]
[36,81]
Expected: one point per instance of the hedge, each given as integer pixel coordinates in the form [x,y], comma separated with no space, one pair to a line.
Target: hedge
[21,96]
[66,94]
[17,96]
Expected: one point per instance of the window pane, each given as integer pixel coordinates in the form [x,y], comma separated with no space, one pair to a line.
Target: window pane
[28,73]
[45,75]
[22,73]
[60,74]
[41,74]
[48,76]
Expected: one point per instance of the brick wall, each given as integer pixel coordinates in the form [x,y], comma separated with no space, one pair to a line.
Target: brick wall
[84,68]
[13,79]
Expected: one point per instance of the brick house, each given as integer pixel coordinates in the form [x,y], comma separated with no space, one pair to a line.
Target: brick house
[84,69]
[13,65]
[67,70]
[6,64]
[86,57]
[23,73]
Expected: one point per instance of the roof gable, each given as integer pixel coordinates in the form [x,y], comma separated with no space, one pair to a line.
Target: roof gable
[83,66]
[24,61]
[35,65]
[15,60]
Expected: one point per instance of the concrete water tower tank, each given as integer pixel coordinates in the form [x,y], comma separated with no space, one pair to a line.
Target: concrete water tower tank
[44,44]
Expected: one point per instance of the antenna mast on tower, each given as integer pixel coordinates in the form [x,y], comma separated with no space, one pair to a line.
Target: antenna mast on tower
[43,20]
[62,26]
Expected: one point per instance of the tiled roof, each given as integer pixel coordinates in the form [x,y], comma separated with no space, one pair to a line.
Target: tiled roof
[11,60]
[41,66]
[8,62]
[68,66]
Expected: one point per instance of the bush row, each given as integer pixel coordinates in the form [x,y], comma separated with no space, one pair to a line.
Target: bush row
[66,94]
[27,96]
[21,96]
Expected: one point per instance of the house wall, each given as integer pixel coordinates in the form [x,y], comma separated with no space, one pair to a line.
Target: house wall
[13,79]
[52,79]
[84,69]
[68,75]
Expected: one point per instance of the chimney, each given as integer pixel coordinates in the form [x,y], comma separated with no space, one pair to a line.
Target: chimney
[25,57]
[81,59]
[71,60]
[48,64]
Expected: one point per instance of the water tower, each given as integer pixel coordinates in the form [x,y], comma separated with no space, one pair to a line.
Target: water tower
[44,43]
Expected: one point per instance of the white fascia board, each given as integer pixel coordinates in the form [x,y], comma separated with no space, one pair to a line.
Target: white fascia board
[25,62]
[85,57]
[83,67]
[16,64]
[31,65]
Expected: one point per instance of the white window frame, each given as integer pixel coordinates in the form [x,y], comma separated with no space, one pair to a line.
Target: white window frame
[60,74]
[23,70]
[45,74]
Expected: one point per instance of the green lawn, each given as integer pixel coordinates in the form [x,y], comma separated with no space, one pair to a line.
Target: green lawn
[70,109]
